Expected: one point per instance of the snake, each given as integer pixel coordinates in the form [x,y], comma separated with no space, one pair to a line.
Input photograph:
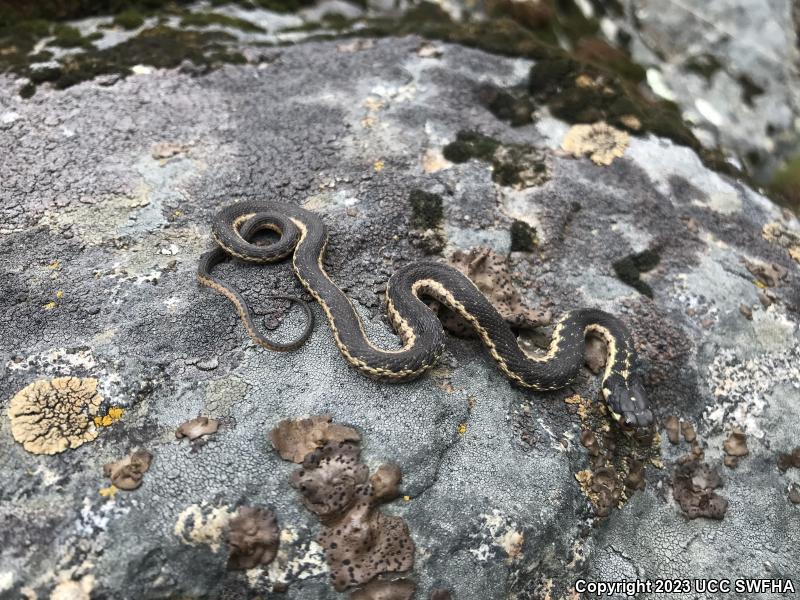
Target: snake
[303,235]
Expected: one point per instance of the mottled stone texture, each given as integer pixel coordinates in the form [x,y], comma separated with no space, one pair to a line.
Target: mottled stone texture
[99,242]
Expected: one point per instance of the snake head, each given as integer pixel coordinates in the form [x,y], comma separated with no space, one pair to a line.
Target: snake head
[627,400]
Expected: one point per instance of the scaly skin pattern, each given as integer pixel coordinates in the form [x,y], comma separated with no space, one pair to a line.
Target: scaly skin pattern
[304,235]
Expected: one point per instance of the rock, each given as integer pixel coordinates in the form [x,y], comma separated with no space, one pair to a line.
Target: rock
[490,515]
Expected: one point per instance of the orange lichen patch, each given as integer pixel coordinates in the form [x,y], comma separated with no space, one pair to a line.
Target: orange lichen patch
[491,274]
[601,142]
[395,589]
[52,415]
[253,538]
[197,428]
[127,473]
[108,492]
[295,439]
[113,415]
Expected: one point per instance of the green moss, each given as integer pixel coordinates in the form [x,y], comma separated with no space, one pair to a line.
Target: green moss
[785,184]
[160,47]
[196,19]
[68,37]
[470,144]
[129,19]
[516,109]
[426,209]
[523,237]
[27,90]
[284,6]
[629,269]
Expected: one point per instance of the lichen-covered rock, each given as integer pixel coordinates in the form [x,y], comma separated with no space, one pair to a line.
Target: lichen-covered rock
[488,469]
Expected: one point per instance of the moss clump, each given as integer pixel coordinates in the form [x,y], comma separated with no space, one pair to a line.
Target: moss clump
[69,37]
[523,237]
[160,47]
[785,184]
[519,166]
[283,6]
[207,19]
[129,19]
[514,108]
[470,144]
[704,65]
[426,209]
[630,268]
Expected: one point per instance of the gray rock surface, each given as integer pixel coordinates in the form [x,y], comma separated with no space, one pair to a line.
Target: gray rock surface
[99,247]
[732,66]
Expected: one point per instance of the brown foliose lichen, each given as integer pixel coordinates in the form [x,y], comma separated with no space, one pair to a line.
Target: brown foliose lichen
[330,479]
[693,485]
[294,439]
[197,428]
[386,589]
[365,543]
[735,447]
[127,473]
[253,538]
[49,416]
[491,274]
[360,542]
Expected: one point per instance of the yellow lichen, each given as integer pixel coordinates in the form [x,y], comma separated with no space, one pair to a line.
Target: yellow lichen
[378,165]
[108,492]
[114,414]
[600,142]
[50,305]
[462,428]
[52,415]
[55,265]
[60,294]
[406,498]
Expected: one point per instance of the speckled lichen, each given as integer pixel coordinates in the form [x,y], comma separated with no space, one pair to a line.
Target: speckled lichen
[52,415]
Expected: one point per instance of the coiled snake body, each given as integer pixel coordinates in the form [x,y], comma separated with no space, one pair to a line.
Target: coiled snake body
[304,235]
